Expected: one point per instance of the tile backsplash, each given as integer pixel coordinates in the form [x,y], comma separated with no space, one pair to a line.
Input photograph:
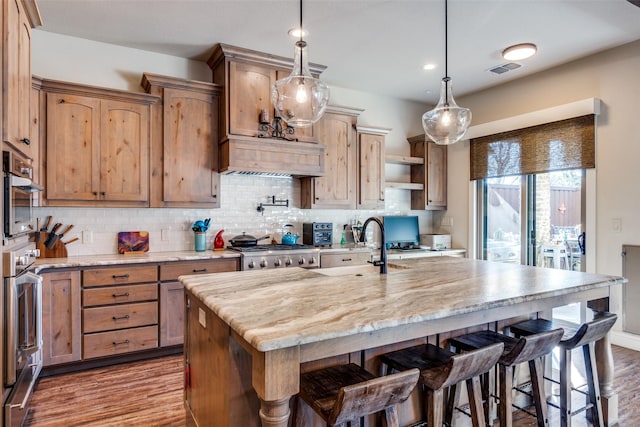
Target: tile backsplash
[170,228]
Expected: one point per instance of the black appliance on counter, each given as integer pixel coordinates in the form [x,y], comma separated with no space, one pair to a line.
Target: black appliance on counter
[317,233]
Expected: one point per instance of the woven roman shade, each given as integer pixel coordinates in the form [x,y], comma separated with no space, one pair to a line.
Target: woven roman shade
[562,145]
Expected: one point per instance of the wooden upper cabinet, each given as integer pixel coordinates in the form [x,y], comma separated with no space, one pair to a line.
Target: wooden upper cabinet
[432,173]
[246,76]
[73,148]
[97,146]
[124,151]
[184,152]
[16,76]
[249,94]
[371,165]
[337,189]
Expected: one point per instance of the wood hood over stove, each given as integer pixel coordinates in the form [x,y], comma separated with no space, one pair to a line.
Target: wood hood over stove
[246,77]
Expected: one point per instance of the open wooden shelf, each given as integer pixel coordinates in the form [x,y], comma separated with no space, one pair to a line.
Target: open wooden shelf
[404,185]
[403,160]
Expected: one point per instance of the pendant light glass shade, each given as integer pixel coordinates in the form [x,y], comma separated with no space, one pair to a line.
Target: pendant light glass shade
[447,122]
[300,99]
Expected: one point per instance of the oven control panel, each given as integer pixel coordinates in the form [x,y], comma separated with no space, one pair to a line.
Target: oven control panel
[279,260]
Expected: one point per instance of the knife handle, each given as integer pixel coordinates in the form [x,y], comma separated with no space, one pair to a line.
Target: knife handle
[71,241]
[47,223]
[66,230]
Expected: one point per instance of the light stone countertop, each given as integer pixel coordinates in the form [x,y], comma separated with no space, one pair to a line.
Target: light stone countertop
[278,308]
[118,259]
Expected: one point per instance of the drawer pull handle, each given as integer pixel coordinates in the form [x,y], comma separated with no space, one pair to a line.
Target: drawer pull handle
[202,270]
[126,294]
[346,259]
[126,316]
[121,276]
[121,342]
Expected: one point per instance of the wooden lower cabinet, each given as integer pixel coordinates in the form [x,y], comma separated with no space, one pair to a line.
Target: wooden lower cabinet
[61,309]
[120,341]
[172,293]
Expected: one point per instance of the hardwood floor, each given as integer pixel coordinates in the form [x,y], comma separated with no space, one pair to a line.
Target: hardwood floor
[149,393]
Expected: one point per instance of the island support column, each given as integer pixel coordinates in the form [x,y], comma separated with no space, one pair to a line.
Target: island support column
[276,378]
[604,364]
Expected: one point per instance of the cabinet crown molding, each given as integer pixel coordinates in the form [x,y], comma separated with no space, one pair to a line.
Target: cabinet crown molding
[227,52]
[55,86]
[150,79]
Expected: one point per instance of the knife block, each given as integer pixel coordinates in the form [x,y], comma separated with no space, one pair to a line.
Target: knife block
[59,249]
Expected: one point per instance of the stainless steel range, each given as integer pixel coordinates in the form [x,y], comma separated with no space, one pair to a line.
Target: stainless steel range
[262,257]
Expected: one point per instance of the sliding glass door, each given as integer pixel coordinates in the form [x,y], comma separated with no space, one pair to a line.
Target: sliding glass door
[534,219]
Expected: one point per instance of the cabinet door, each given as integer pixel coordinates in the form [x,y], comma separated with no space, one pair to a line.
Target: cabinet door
[337,189]
[61,310]
[124,151]
[17,78]
[171,314]
[371,181]
[436,185]
[249,93]
[190,134]
[73,144]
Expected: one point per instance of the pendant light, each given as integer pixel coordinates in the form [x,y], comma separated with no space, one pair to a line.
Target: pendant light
[300,99]
[447,122]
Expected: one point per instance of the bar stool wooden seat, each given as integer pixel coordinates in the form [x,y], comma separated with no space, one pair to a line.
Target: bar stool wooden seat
[440,369]
[529,349]
[575,336]
[344,393]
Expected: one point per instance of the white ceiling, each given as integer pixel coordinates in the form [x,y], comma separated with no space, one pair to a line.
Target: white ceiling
[376,46]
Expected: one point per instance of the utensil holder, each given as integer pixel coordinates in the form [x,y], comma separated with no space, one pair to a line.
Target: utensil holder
[200,242]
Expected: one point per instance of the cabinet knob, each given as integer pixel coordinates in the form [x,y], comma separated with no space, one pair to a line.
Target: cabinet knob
[26,141]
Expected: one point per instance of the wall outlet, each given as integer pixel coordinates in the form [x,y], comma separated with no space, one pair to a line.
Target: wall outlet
[87,236]
[446,221]
[616,225]
[164,234]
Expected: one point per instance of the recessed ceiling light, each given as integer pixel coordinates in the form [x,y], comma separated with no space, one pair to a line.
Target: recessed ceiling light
[295,32]
[519,51]
[429,66]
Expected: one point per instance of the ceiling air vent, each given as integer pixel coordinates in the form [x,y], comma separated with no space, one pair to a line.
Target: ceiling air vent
[501,69]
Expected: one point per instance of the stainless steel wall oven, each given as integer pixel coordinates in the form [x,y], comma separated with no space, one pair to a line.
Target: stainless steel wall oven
[22,332]
[18,193]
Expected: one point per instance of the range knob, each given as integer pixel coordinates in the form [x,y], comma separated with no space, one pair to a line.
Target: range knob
[288,262]
[252,264]
[263,263]
[301,261]
[277,263]
[22,260]
[312,260]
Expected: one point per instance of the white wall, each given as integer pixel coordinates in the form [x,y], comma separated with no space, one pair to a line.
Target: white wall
[614,77]
[67,58]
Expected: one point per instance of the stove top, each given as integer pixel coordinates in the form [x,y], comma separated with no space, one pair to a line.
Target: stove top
[262,248]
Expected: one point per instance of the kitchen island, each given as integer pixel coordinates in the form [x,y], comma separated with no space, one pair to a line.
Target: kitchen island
[255,329]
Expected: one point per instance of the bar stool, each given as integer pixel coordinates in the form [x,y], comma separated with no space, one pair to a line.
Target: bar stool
[344,393]
[440,369]
[529,349]
[575,336]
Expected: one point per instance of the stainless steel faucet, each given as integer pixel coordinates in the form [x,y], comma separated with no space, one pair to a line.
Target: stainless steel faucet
[383,246]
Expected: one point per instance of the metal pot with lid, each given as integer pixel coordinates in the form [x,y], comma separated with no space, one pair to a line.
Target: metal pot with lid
[244,240]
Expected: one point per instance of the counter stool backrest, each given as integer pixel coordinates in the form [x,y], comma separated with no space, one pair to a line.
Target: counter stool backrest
[461,367]
[533,347]
[372,396]
[591,331]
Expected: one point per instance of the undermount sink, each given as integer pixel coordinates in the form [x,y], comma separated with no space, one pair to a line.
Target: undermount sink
[358,269]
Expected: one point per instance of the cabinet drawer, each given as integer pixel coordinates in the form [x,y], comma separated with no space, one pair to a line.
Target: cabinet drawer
[119,294]
[116,342]
[119,316]
[344,259]
[119,275]
[172,270]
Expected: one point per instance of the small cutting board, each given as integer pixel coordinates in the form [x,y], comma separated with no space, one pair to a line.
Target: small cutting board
[133,242]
